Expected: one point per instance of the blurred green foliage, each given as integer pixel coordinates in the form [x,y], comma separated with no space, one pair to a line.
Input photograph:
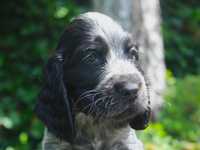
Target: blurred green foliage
[181,116]
[179,122]
[29,31]
[181,21]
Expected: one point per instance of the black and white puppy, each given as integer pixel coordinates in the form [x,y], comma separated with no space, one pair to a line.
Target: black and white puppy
[95,92]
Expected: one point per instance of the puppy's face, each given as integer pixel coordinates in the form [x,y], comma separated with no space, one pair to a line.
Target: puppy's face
[101,71]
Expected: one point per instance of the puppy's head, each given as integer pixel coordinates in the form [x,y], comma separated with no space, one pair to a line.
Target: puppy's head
[95,70]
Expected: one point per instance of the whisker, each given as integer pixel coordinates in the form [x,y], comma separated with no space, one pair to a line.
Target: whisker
[94,103]
[86,94]
[111,103]
[84,108]
[88,91]
[100,99]
[92,106]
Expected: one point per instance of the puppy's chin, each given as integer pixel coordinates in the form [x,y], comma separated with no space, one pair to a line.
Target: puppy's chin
[120,117]
[141,121]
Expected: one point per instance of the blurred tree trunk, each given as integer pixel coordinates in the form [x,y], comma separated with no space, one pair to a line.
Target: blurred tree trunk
[142,19]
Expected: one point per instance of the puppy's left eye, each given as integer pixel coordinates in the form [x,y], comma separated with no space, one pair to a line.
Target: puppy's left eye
[133,53]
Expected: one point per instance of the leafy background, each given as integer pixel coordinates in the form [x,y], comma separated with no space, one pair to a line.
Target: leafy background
[29,31]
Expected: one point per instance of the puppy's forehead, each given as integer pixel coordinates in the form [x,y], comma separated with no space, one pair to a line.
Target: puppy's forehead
[102,21]
[105,27]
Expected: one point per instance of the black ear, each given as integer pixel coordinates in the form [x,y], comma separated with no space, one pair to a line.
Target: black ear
[54,107]
[140,122]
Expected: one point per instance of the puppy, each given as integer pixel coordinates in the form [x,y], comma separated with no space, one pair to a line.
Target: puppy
[94,92]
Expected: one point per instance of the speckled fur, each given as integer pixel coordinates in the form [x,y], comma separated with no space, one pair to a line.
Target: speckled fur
[94,136]
[95,93]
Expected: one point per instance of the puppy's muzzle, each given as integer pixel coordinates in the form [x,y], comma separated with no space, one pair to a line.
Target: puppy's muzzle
[126,86]
[126,89]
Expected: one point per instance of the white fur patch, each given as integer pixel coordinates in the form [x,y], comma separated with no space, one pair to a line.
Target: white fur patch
[118,64]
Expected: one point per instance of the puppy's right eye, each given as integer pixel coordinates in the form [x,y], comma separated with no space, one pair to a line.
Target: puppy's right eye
[91,57]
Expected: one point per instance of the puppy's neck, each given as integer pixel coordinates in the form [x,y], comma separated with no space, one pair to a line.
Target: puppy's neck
[88,127]
[95,136]
[104,133]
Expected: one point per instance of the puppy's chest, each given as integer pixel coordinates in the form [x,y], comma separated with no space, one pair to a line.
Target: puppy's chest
[91,136]
[89,142]
[96,144]
[105,140]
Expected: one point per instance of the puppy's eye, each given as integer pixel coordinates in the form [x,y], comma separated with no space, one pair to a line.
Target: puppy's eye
[133,53]
[91,57]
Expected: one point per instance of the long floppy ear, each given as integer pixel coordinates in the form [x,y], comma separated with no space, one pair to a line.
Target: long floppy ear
[54,107]
[140,122]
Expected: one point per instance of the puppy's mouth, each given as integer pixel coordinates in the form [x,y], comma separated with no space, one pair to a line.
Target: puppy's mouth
[122,111]
[105,107]
[138,118]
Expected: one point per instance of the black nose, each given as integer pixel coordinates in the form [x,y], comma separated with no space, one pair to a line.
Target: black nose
[127,88]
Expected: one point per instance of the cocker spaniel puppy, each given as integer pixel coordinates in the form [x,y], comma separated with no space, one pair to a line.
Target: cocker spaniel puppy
[95,93]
